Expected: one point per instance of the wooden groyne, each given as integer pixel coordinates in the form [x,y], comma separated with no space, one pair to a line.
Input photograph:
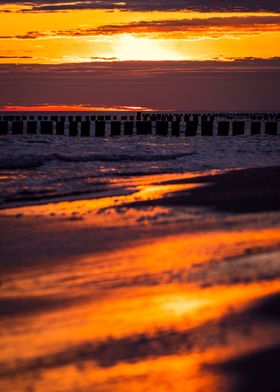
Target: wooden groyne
[93,124]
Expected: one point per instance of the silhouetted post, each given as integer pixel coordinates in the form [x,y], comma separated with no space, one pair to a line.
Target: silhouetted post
[143,127]
[17,127]
[85,128]
[115,128]
[271,127]
[162,128]
[206,127]
[31,127]
[100,128]
[255,128]
[128,128]
[4,127]
[237,128]
[9,127]
[60,127]
[224,127]
[175,128]
[73,128]
[191,128]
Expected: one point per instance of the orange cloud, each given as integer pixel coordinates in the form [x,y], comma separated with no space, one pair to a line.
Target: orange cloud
[213,26]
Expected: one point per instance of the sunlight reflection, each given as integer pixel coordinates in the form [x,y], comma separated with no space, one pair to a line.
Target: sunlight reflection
[150,315]
[130,190]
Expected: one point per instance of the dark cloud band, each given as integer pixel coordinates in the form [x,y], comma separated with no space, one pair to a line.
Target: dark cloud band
[15,57]
[144,5]
[248,84]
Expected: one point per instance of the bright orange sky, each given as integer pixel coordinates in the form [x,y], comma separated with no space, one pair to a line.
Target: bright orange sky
[93,34]
[210,55]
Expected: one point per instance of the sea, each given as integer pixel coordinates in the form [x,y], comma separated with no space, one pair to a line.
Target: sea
[51,167]
[102,293]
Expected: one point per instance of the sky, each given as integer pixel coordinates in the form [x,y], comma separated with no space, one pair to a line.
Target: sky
[161,54]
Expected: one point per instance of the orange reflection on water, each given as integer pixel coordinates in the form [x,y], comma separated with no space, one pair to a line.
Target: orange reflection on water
[123,315]
[176,373]
[147,316]
[161,285]
[103,210]
[168,257]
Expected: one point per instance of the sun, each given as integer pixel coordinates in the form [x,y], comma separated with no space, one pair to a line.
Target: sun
[130,47]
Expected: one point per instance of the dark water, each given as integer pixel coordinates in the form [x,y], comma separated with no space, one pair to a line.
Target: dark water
[43,167]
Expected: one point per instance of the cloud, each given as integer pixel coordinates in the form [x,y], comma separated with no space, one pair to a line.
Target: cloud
[245,84]
[96,58]
[146,69]
[187,27]
[16,57]
[144,5]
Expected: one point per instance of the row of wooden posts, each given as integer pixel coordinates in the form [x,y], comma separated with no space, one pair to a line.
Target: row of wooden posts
[133,124]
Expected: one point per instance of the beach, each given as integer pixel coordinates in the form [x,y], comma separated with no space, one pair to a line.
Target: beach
[155,268]
[139,196]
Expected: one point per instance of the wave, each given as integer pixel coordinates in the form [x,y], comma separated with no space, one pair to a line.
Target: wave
[119,157]
[21,163]
[35,161]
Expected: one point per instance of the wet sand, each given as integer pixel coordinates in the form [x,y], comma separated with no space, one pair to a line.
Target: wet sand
[174,289]
[240,191]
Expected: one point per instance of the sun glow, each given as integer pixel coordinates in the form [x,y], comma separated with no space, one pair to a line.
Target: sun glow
[130,47]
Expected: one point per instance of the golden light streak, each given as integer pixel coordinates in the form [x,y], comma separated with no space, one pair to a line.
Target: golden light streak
[71,108]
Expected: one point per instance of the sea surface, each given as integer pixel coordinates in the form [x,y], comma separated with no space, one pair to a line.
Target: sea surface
[99,293]
[37,168]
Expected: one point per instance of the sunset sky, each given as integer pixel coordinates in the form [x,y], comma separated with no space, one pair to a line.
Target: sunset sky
[225,44]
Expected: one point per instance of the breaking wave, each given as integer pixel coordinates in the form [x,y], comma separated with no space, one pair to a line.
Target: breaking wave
[35,161]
